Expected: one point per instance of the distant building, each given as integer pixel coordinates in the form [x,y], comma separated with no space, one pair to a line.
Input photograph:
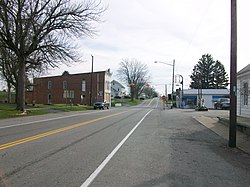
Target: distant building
[71,88]
[243,81]
[190,98]
[117,89]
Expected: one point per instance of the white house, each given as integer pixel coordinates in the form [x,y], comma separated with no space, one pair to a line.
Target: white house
[191,97]
[243,81]
[117,90]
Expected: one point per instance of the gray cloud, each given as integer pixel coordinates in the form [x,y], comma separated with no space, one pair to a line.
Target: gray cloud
[165,30]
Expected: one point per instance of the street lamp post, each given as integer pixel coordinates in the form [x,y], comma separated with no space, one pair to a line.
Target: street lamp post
[173,65]
[91,82]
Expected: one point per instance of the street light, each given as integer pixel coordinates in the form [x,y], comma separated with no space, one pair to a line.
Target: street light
[172,95]
[91,82]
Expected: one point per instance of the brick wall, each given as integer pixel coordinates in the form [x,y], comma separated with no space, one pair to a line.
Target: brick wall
[58,94]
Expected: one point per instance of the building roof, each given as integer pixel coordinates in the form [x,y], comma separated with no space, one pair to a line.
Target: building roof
[66,73]
[207,91]
[244,70]
[116,82]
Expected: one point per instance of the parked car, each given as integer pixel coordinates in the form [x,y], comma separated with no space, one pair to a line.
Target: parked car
[101,105]
[142,96]
[222,103]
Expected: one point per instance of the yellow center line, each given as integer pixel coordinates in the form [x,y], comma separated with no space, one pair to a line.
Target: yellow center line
[38,136]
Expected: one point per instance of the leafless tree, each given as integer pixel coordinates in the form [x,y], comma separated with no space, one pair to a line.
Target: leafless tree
[38,32]
[149,91]
[135,74]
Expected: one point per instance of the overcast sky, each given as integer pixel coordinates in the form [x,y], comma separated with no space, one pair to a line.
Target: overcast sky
[163,30]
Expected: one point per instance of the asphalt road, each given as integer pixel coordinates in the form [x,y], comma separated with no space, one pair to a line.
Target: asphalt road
[129,146]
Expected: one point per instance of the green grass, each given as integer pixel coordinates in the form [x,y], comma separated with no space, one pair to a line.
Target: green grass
[133,103]
[7,111]
[65,108]
[126,102]
[114,101]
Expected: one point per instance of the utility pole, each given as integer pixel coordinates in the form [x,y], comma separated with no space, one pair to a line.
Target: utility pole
[91,82]
[173,65]
[173,82]
[166,91]
[182,91]
[233,75]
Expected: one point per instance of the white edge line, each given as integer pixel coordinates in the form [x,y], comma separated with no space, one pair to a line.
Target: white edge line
[150,102]
[43,120]
[157,103]
[91,178]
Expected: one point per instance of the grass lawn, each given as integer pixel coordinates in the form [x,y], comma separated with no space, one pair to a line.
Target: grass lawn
[7,111]
[126,102]
[133,103]
[65,108]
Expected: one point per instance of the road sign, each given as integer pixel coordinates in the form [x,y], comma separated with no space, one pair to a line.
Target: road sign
[163,97]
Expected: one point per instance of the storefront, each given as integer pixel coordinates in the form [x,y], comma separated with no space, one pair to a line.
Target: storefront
[191,97]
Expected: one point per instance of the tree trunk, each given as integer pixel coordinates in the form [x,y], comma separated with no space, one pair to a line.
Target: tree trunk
[132,94]
[8,93]
[16,93]
[21,85]
[136,95]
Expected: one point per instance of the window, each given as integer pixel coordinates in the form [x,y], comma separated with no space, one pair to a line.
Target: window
[83,88]
[65,85]
[72,94]
[49,84]
[245,93]
[69,94]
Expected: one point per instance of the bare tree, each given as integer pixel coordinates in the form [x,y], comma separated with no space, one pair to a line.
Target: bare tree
[149,91]
[135,74]
[38,33]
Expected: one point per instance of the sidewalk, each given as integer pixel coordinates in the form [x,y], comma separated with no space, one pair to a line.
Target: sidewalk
[243,124]
[220,126]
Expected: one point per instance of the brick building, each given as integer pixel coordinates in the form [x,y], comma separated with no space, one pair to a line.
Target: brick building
[71,88]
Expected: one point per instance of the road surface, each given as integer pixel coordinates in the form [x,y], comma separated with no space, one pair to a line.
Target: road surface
[128,146]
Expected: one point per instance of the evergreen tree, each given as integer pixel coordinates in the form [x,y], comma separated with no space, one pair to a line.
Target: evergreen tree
[209,74]
[220,76]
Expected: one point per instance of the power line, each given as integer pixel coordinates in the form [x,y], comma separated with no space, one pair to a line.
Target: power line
[196,30]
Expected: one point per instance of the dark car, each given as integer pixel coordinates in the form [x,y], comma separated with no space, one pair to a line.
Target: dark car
[101,105]
[222,103]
